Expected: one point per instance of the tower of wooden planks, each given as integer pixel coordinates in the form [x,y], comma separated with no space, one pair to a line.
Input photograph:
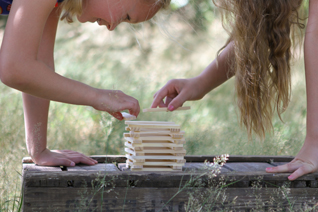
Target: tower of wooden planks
[154,146]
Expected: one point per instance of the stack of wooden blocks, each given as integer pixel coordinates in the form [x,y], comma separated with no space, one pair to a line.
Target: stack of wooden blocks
[154,146]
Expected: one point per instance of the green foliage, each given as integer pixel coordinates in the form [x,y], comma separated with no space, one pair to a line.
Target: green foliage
[3,21]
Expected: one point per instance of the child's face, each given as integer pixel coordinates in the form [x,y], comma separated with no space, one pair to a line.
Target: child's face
[112,12]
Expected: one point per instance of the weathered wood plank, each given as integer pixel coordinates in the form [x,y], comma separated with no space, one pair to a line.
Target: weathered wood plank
[241,158]
[192,158]
[51,189]
[161,179]
[188,167]
[99,158]
[247,167]
[278,163]
[35,168]
[152,199]
[98,167]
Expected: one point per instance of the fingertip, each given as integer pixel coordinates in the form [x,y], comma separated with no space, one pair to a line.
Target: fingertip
[72,163]
[171,107]
[291,177]
[269,169]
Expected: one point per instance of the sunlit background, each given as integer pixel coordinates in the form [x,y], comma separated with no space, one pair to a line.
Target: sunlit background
[139,60]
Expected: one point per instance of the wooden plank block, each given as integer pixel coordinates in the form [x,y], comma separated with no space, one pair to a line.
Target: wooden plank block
[154,157]
[154,169]
[138,129]
[152,134]
[128,116]
[132,152]
[159,163]
[153,161]
[135,147]
[159,139]
[148,122]
[154,125]
[152,144]
[154,128]
[134,167]
[164,109]
[155,153]
[159,150]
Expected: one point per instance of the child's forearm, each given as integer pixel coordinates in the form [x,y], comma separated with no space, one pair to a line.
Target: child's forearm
[217,72]
[35,118]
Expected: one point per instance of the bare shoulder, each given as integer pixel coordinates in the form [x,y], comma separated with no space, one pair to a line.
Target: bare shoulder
[34,8]
[25,25]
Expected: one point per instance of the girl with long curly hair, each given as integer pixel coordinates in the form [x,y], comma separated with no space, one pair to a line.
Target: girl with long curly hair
[258,54]
[27,64]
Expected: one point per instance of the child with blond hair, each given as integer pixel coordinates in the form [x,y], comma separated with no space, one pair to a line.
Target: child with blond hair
[258,54]
[27,64]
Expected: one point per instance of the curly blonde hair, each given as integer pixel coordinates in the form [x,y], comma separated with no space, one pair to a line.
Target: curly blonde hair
[262,32]
[72,8]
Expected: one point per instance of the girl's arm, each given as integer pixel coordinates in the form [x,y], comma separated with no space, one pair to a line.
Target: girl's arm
[21,68]
[178,91]
[306,160]
[36,111]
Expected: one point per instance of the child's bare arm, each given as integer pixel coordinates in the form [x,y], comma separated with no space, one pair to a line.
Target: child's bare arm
[26,63]
[36,111]
[306,161]
[21,69]
[177,91]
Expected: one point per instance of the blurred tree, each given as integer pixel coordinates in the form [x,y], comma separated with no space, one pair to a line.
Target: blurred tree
[199,13]
[3,21]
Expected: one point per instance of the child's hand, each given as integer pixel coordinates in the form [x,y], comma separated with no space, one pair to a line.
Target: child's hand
[305,162]
[114,101]
[62,158]
[176,92]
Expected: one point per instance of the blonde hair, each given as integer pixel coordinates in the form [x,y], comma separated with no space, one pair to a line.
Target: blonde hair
[262,32]
[72,8]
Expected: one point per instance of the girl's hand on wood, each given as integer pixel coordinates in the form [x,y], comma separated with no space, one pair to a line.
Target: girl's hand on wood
[115,101]
[176,92]
[305,162]
[62,158]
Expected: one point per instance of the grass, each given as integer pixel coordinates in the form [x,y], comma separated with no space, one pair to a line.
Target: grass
[139,61]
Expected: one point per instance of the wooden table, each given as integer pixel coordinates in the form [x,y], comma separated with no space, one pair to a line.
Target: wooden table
[242,185]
